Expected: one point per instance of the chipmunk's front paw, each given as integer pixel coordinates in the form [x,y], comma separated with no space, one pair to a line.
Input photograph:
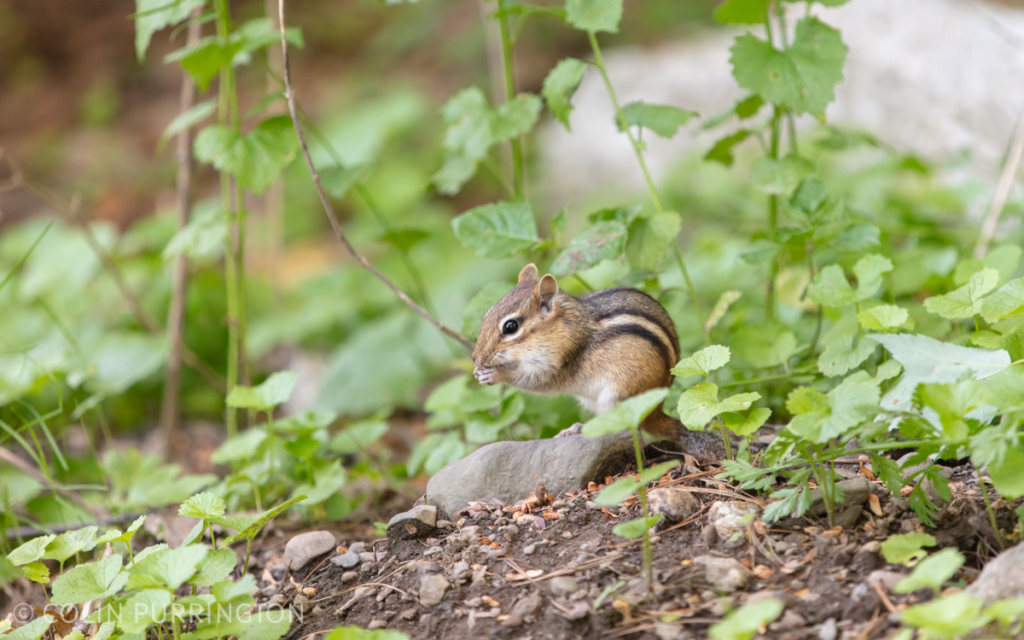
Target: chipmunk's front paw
[574,430]
[486,375]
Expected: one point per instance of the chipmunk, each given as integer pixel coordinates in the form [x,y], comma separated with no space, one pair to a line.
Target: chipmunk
[601,348]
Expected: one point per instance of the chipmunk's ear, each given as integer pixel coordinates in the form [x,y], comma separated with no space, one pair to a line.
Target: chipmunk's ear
[545,292]
[528,273]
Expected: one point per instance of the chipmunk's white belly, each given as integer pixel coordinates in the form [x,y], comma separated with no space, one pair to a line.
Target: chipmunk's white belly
[598,396]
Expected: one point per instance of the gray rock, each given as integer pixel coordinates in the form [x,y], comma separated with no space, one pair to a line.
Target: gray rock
[529,549]
[725,573]
[1002,577]
[672,502]
[790,620]
[855,492]
[357,547]
[829,630]
[563,586]
[349,576]
[376,624]
[347,560]
[371,556]
[461,572]
[432,588]
[408,614]
[524,608]
[731,518]
[884,578]
[306,546]
[510,470]
[417,522]
[301,603]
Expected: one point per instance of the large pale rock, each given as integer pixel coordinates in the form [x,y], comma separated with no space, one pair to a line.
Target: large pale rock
[306,546]
[509,471]
[1002,577]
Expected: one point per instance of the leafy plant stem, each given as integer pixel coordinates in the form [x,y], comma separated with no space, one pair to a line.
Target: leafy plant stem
[510,93]
[648,551]
[725,437]
[773,215]
[693,292]
[983,486]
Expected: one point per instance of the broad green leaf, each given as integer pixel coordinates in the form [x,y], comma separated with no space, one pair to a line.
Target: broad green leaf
[240,447]
[742,12]
[965,302]
[449,449]
[30,551]
[925,359]
[203,236]
[203,506]
[37,572]
[1004,258]
[264,625]
[478,306]
[932,572]
[327,480]
[601,241]
[869,271]
[215,566]
[744,425]
[947,618]
[722,149]
[499,230]
[204,59]
[649,237]
[907,548]
[594,15]
[255,158]
[849,404]
[662,119]
[358,633]
[405,239]
[766,345]
[143,608]
[515,118]
[703,362]
[358,436]
[466,139]
[801,78]
[167,568]
[651,474]
[69,543]
[1005,302]
[188,119]
[558,224]
[721,307]
[272,392]
[1008,475]
[256,523]
[31,631]
[882,317]
[842,355]
[635,528]
[628,414]
[1006,612]
[831,288]
[780,177]
[617,491]
[91,581]
[699,404]
[153,15]
[806,400]
[747,621]
[560,85]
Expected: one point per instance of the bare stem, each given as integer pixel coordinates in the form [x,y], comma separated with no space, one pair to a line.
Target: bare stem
[988,227]
[329,210]
[510,93]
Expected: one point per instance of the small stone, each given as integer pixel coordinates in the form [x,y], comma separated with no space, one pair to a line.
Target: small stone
[370,556]
[855,492]
[376,624]
[731,518]
[725,573]
[829,630]
[306,546]
[461,572]
[563,586]
[357,547]
[408,614]
[277,599]
[672,502]
[349,576]
[524,608]
[347,560]
[318,610]
[1002,577]
[301,603]
[593,506]
[790,620]
[445,524]
[797,585]
[432,550]
[885,579]
[432,588]
[529,549]
[709,534]
[567,534]
[666,631]
[417,522]
[368,567]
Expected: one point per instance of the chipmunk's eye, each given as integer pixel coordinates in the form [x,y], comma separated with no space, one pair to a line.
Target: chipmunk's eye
[510,327]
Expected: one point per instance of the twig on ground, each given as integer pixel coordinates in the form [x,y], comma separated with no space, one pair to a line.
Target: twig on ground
[1005,184]
[332,217]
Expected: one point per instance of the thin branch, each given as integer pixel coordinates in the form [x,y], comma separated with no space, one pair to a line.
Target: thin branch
[988,227]
[29,470]
[289,94]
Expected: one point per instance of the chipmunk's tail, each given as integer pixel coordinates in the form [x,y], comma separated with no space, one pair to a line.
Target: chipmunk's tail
[706,446]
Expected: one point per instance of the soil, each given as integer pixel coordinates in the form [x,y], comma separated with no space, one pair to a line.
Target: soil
[504,589]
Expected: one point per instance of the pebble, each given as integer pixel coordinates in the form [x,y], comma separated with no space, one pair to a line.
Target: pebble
[672,502]
[730,518]
[376,624]
[370,556]
[790,620]
[829,630]
[306,546]
[460,572]
[1001,578]
[432,588]
[349,576]
[357,547]
[301,603]
[524,608]
[725,573]
[593,506]
[567,534]
[346,560]
[563,586]
[417,522]
[445,524]
[318,610]
[529,549]
[884,578]
[432,550]
[558,504]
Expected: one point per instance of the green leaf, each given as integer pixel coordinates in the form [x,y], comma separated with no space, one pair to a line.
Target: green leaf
[272,392]
[601,241]
[699,404]
[649,237]
[357,633]
[31,631]
[594,15]
[907,548]
[882,317]
[215,566]
[37,572]
[1006,612]
[932,572]
[255,523]
[767,345]
[703,362]
[801,78]
[617,491]
[780,177]
[327,480]
[806,400]
[203,236]
[746,622]
[188,119]
[30,551]
[558,224]
[946,618]
[925,359]
[635,528]
[849,404]
[255,158]
[405,239]
[842,355]
[560,85]
[515,118]
[204,59]
[745,425]
[742,12]
[338,180]
[722,150]
[69,543]
[831,288]
[1005,302]
[115,535]
[965,302]
[662,119]
[154,15]
[142,609]
[358,436]
[1008,475]
[204,506]
[628,414]
[721,307]
[166,568]
[478,306]
[92,581]
[499,230]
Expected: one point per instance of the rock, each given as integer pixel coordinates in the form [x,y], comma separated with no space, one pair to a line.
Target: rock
[529,549]
[790,620]
[370,556]
[376,624]
[408,614]
[510,470]
[563,586]
[1002,577]
[855,491]
[414,523]
[432,551]
[672,502]
[347,560]
[829,630]
[524,608]
[848,517]
[306,546]
[578,610]
[461,572]
[318,610]
[301,603]
[730,518]
[884,578]
[349,576]
[666,631]
[787,599]
[357,547]
[593,506]
[432,588]
[725,573]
